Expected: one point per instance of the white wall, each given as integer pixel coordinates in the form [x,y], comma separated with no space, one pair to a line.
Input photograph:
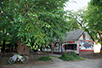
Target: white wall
[77,42]
[87,37]
[77,51]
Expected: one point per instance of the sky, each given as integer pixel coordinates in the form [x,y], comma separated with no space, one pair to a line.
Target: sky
[76,4]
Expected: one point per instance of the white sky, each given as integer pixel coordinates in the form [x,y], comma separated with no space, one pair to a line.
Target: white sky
[78,4]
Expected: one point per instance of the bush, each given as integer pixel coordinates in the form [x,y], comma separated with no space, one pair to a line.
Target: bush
[76,57]
[45,58]
[66,57]
[70,56]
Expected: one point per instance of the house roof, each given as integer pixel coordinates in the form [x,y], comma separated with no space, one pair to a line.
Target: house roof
[73,35]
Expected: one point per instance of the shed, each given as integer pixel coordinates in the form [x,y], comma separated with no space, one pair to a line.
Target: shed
[77,40]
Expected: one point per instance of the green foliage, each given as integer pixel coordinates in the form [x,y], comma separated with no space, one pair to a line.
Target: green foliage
[96,2]
[94,20]
[66,57]
[70,56]
[45,59]
[33,21]
[76,57]
[76,19]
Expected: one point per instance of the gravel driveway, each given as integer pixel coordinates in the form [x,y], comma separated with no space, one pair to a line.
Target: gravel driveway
[87,63]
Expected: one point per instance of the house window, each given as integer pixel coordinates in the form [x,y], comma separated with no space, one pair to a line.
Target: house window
[71,47]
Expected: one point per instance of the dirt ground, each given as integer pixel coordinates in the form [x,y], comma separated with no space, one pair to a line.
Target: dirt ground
[90,61]
[92,56]
[87,63]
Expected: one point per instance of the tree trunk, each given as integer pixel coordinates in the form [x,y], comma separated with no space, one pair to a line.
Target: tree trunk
[100,40]
[3,49]
[23,49]
[101,45]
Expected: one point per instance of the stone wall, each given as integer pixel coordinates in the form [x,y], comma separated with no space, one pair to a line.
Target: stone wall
[85,53]
[37,55]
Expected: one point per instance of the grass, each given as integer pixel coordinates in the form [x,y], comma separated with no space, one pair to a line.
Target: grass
[70,56]
[45,58]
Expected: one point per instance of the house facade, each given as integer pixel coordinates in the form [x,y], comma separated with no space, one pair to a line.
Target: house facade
[77,41]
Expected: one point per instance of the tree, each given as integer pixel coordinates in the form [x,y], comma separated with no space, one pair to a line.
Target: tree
[94,20]
[4,33]
[34,21]
[76,18]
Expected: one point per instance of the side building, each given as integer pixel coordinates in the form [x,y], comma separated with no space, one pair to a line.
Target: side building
[77,41]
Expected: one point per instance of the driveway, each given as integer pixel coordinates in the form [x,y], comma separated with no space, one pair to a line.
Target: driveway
[87,63]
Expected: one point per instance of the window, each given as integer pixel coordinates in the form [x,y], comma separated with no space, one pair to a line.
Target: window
[71,47]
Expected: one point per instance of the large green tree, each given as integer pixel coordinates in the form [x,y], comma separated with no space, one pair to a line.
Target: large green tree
[93,19]
[37,21]
[76,19]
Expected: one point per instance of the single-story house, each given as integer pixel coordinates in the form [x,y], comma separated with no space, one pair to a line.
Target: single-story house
[77,40]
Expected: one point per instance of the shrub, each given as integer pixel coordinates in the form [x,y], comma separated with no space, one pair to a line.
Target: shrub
[76,57]
[45,58]
[66,57]
[70,56]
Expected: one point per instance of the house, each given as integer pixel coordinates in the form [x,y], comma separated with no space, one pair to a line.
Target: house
[77,41]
